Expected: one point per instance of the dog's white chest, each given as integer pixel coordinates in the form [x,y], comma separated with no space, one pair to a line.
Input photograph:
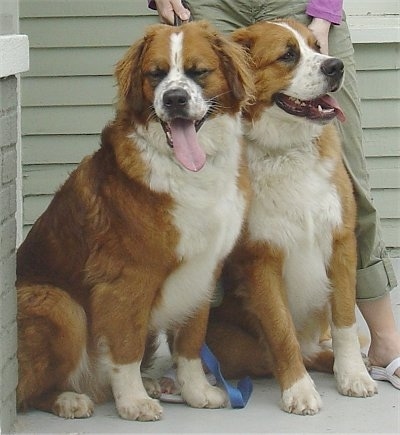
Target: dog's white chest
[208,216]
[297,208]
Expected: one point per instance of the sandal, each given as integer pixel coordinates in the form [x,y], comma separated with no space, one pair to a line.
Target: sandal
[387,373]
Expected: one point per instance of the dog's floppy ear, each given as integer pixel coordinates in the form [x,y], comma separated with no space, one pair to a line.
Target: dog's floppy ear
[244,38]
[235,64]
[129,77]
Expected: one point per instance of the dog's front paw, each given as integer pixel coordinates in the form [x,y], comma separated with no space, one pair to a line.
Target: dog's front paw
[73,405]
[140,409]
[204,396]
[359,384]
[301,398]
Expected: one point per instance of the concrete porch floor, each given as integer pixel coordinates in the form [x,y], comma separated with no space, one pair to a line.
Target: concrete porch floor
[340,414]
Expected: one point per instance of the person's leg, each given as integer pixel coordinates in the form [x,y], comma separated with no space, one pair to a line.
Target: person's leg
[375,275]
[385,339]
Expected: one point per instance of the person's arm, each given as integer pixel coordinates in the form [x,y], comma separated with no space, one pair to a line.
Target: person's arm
[167,8]
[324,13]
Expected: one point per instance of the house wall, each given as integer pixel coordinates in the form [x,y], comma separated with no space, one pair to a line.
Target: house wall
[13,60]
[68,93]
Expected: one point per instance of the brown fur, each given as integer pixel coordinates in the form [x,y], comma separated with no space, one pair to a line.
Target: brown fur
[91,270]
[252,332]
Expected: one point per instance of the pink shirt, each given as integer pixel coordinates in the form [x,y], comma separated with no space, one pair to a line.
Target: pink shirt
[329,10]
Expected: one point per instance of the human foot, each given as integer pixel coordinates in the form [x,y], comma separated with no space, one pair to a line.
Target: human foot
[384,357]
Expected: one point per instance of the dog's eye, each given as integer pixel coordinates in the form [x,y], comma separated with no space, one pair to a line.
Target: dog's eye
[156,75]
[289,56]
[197,73]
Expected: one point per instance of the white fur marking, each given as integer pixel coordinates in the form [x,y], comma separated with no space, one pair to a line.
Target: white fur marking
[302,397]
[196,390]
[309,67]
[131,398]
[176,78]
[351,374]
[208,213]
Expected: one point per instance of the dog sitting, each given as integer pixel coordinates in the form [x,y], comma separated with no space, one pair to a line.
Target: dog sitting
[295,264]
[132,242]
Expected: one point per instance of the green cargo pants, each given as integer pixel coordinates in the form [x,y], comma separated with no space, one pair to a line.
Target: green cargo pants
[375,275]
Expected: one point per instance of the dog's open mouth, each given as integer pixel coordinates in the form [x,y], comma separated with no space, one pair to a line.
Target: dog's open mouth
[322,109]
[182,138]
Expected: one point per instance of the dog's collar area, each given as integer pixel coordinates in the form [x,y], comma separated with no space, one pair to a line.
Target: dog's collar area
[322,109]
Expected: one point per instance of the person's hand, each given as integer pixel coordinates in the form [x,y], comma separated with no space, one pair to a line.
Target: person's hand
[166,9]
[320,29]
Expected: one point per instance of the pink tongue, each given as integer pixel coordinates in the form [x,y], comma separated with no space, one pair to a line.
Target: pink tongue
[186,147]
[330,101]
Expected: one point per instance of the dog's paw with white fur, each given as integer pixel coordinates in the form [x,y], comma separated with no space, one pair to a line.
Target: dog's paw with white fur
[204,396]
[301,398]
[73,405]
[358,384]
[144,409]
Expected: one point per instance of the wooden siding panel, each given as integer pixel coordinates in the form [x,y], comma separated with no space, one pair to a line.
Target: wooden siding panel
[382,142]
[374,84]
[391,232]
[34,206]
[68,91]
[377,56]
[84,31]
[78,61]
[45,179]
[385,178]
[380,113]
[65,120]
[74,8]
[58,149]
[386,201]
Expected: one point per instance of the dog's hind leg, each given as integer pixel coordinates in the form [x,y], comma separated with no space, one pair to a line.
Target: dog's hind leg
[51,346]
[321,362]
[239,353]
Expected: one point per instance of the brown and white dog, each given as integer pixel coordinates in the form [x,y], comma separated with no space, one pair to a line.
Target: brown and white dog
[132,242]
[295,264]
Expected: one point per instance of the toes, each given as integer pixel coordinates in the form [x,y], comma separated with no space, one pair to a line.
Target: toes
[73,405]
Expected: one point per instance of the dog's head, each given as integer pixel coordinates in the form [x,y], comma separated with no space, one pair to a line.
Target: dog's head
[290,72]
[180,76]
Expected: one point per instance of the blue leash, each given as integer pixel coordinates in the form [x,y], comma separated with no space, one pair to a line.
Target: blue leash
[238,396]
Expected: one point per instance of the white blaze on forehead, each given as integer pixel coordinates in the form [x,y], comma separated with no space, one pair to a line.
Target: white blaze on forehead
[300,39]
[176,68]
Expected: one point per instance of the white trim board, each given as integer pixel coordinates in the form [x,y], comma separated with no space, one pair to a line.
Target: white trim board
[14,54]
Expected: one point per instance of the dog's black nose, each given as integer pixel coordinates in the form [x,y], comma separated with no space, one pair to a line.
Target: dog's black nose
[176,99]
[333,68]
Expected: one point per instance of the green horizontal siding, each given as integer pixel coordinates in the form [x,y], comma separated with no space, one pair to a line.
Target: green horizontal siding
[84,31]
[65,120]
[78,61]
[380,89]
[44,179]
[69,92]
[56,91]
[89,8]
[391,232]
[58,149]
[374,57]
[381,142]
